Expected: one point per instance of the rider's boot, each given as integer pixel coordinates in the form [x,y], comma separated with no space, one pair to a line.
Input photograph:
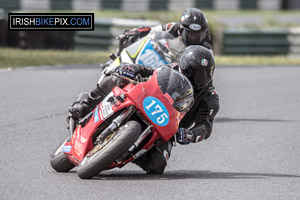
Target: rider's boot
[80,108]
[155,160]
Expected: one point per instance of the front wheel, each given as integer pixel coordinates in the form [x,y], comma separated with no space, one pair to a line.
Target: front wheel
[115,145]
[59,160]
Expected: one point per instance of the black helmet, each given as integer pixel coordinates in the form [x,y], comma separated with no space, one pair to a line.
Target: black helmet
[194,24]
[198,64]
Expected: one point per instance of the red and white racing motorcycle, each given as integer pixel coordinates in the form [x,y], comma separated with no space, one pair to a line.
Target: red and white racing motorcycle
[126,124]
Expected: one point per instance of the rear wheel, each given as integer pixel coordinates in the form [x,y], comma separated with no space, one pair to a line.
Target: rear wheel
[59,160]
[114,146]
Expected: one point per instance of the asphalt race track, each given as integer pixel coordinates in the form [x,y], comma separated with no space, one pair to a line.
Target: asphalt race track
[253,153]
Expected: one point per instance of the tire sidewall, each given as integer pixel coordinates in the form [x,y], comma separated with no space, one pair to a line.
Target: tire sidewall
[112,151]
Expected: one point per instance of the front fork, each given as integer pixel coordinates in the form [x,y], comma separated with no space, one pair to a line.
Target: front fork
[116,123]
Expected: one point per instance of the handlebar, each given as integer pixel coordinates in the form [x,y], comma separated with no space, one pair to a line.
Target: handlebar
[125,78]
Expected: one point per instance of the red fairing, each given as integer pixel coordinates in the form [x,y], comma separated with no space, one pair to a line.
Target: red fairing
[151,88]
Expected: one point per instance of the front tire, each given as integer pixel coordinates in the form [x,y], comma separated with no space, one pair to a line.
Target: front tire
[59,160]
[124,137]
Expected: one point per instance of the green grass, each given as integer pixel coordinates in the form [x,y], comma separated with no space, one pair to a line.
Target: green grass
[258,60]
[12,58]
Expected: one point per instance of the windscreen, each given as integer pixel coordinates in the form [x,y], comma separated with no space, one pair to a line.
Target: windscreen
[176,87]
[166,45]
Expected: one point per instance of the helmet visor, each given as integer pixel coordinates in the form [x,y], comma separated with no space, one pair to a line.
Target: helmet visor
[193,37]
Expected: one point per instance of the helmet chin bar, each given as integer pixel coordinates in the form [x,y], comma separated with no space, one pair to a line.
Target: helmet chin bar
[192,37]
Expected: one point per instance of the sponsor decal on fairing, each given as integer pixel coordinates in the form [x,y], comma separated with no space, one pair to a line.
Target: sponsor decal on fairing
[106,107]
[67,148]
[96,114]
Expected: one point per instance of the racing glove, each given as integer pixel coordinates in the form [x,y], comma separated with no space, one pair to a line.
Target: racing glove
[184,136]
[132,35]
[136,33]
[128,70]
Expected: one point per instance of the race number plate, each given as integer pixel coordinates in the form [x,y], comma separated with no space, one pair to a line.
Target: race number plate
[156,111]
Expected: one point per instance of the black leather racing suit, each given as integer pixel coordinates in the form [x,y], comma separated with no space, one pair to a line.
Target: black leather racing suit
[200,117]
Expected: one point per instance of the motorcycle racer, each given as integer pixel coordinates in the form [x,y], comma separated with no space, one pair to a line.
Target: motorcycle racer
[197,63]
[192,28]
